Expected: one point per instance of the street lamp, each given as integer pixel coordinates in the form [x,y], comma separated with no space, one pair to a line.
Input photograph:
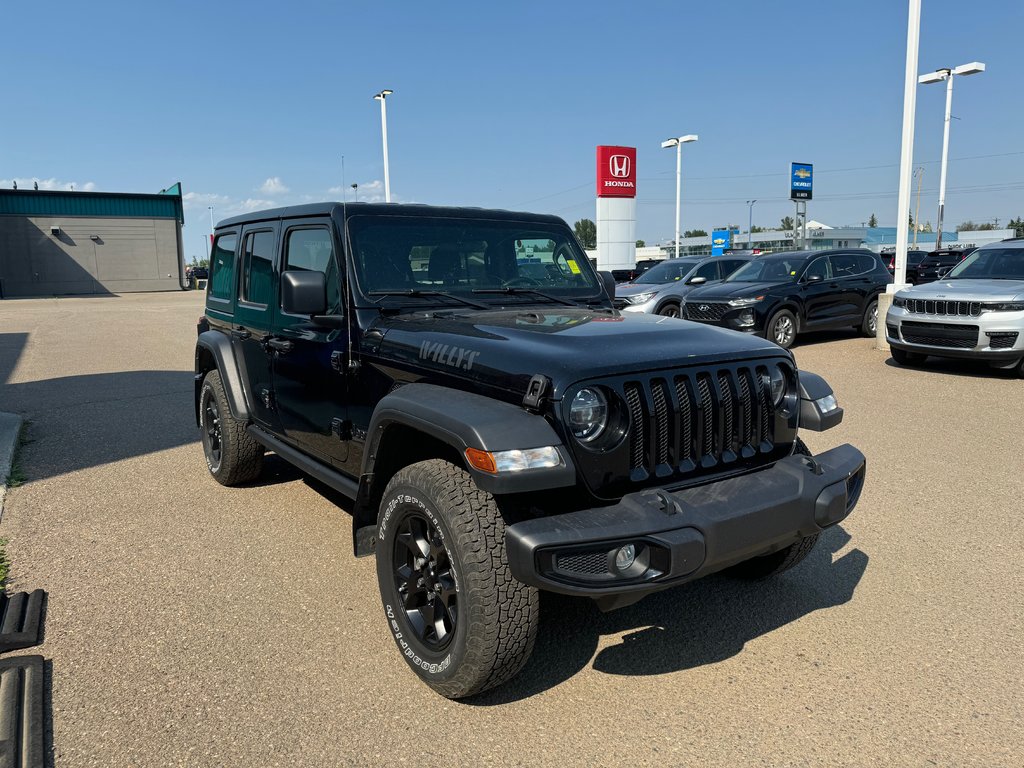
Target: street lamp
[750,223]
[382,98]
[938,76]
[355,188]
[678,144]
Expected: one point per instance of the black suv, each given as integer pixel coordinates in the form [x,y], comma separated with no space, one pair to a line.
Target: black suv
[783,294]
[936,264]
[914,259]
[499,426]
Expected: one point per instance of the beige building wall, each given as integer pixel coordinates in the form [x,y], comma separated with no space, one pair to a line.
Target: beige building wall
[87,256]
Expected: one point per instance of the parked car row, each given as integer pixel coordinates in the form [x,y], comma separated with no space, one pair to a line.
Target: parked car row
[927,266]
[776,296]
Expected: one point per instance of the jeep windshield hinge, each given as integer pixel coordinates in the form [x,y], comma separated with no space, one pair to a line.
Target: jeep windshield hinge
[535,392]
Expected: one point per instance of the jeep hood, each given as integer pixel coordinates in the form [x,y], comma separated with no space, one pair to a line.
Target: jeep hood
[505,348]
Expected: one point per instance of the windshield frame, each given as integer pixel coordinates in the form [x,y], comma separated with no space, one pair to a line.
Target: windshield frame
[592,293]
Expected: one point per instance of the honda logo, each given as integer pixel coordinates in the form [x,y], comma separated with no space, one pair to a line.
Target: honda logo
[618,166]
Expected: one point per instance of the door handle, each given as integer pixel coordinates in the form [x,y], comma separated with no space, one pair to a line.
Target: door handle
[240,333]
[281,346]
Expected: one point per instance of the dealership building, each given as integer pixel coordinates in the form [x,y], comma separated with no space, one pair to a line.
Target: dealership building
[68,243]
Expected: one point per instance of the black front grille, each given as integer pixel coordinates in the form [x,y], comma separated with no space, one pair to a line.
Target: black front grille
[1002,340]
[941,335]
[706,311]
[698,419]
[940,307]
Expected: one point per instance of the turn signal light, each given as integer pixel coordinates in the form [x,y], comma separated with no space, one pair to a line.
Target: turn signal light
[482,460]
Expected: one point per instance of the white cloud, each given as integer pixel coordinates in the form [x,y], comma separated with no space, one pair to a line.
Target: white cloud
[273,186]
[193,200]
[49,184]
[255,204]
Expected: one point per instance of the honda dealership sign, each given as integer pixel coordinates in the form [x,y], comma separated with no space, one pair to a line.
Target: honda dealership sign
[616,207]
[616,171]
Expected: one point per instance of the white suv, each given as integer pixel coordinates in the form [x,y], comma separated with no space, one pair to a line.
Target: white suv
[975,311]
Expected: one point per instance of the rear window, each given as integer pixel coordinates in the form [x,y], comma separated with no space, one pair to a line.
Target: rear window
[222,264]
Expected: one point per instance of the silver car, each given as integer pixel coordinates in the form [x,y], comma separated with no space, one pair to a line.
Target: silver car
[660,289]
[975,311]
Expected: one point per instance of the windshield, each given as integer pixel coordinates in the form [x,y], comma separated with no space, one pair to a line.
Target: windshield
[666,272]
[415,255]
[768,269]
[991,264]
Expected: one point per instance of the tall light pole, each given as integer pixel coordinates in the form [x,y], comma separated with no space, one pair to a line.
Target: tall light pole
[209,240]
[678,144]
[938,76]
[382,98]
[750,223]
[355,191]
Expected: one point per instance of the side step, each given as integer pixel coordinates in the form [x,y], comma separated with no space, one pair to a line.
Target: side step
[21,712]
[310,466]
[21,615]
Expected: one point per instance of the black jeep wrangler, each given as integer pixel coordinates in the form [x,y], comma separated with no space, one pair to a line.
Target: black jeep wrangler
[462,375]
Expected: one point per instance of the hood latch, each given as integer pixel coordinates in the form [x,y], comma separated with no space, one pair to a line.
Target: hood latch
[535,392]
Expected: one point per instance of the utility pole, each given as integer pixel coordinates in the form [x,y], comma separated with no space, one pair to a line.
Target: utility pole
[750,223]
[919,172]
[382,98]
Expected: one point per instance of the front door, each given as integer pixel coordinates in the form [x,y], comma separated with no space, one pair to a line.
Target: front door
[309,360]
[253,318]
[820,291]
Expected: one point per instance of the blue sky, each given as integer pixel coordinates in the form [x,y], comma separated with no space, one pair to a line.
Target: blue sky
[501,105]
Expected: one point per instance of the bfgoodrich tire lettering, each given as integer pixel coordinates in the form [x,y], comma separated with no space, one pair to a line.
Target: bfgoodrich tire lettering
[489,635]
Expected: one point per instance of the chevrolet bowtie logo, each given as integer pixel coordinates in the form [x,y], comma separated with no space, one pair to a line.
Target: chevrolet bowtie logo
[802,173]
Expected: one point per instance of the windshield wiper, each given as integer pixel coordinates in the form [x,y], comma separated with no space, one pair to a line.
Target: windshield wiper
[516,291]
[416,294]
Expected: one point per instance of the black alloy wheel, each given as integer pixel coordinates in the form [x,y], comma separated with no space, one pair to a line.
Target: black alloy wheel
[782,328]
[425,580]
[211,430]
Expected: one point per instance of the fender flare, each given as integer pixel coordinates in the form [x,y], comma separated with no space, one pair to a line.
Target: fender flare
[218,346]
[812,389]
[460,420]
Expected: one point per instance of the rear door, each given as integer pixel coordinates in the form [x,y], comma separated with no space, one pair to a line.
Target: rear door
[821,297]
[309,360]
[852,272]
[254,315]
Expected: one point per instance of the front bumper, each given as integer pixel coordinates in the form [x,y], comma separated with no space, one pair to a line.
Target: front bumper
[997,337]
[743,319]
[683,535]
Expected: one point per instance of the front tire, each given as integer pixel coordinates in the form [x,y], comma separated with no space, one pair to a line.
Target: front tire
[903,357]
[232,455]
[460,620]
[766,566]
[781,328]
[671,309]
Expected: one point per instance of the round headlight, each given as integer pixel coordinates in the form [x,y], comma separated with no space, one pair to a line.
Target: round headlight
[588,414]
[778,385]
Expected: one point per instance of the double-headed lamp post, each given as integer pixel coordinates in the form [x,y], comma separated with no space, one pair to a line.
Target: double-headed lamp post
[382,98]
[678,144]
[750,223]
[938,76]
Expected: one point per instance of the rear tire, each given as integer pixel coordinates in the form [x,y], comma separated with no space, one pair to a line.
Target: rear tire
[460,620]
[766,566]
[869,325]
[903,357]
[232,455]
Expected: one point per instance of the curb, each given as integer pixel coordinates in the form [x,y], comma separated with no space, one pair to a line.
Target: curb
[10,428]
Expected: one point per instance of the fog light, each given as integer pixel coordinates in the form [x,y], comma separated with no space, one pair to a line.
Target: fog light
[826,404]
[746,317]
[625,557]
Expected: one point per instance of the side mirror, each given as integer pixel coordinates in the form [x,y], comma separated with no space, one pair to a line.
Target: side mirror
[304,292]
[609,283]
[697,281]
[814,278]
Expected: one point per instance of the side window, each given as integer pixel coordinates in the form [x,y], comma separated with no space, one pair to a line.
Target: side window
[257,267]
[731,265]
[845,265]
[820,268]
[866,263]
[311,249]
[222,266]
[708,270]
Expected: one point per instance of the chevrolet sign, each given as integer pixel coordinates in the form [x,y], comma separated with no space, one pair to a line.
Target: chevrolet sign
[801,182]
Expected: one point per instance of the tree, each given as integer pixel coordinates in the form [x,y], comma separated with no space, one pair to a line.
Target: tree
[787,222]
[641,244]
[1017,225]
[203,262]
[873,221]
[695,233]
[970,226]
[755,229]
[586,233]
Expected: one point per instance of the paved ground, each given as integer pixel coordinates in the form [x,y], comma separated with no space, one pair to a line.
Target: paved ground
[190,624]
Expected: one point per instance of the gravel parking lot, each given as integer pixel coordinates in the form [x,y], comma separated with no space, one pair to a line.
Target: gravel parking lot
[191,624]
